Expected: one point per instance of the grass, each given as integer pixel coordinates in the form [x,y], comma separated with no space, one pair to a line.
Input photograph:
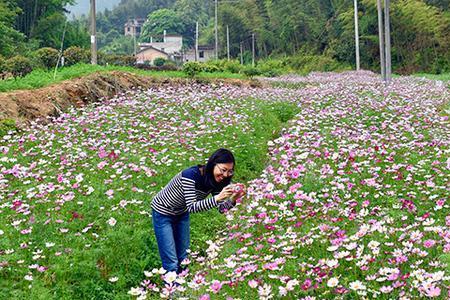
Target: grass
[443,77]
[41,78]
[88,260]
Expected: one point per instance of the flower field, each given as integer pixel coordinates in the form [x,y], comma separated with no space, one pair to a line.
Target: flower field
[75,194]
[350,200]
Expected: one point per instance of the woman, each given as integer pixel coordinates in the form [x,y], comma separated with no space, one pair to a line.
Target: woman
[187,193]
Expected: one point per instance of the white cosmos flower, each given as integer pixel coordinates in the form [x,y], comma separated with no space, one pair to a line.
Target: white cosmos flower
[170,277]
[373,244]
[112,221]
[332,248]
[351,246]
[291,284]
[28,277]
[148,274]
[135,292]
[357,285]
[332,263]
[332,282]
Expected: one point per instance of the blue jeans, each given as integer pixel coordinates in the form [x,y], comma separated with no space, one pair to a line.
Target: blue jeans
[173,237]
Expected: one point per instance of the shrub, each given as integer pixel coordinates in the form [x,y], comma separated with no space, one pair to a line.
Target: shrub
[7,125]
[167,67]
[232,66]
[117,60]
[47,57]
[250,71]
[19,66]
[74,55]
[127,60]
[159,61]
[2,67]
[192,68]
[102,58]
[271,67]
[211,68]
[308,63]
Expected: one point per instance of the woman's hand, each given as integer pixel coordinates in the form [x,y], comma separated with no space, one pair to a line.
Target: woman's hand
[225,193]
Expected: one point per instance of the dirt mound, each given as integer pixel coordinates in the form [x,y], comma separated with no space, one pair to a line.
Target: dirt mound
[26,105]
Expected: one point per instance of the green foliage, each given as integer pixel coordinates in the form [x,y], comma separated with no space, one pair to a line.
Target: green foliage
[305,64]
[420,39]
[115,59]
[222,65]
[250,71]
[47,57]
[19,66]
[7,125]
[77,34]
[192,68]
[40,78]
[2,66]
[271,67]
[159,61]
[74,55]
[120,45]
[232,66]
[49,30]
[160,20]
[10,37]
[211,68]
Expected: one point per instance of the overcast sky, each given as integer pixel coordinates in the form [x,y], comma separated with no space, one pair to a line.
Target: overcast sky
[83,6]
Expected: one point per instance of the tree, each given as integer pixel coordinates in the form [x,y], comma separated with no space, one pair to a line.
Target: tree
[10,38]
[160,20]
[120,45]
[32,11]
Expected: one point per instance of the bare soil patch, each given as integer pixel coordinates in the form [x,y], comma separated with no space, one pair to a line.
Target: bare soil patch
[25,105]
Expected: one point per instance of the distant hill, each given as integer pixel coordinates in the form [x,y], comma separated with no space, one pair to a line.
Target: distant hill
[83,6]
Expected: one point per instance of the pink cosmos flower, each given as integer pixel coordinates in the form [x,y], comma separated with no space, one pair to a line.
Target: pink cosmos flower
[433,291]
[447,248]
[109,193]
[101,164]
[216,285]
[253,283]
[429,243]
[59,178]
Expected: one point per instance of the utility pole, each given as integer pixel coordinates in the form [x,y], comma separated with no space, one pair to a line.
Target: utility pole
[387,40]
[381,39]
[196,41]
[93,33]
[228,43]
[134,39]
[253,49]
[215,31]
[242,54]
[356,35]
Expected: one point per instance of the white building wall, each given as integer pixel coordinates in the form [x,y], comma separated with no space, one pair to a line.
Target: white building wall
[170,45]
[207,55]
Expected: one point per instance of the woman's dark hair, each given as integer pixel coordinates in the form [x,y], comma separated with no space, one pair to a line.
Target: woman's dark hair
[220,156]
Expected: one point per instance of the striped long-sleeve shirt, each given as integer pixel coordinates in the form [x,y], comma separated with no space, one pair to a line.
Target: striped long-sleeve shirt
[187,192]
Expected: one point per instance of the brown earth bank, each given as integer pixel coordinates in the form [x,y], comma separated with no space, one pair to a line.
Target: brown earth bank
[24,106]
